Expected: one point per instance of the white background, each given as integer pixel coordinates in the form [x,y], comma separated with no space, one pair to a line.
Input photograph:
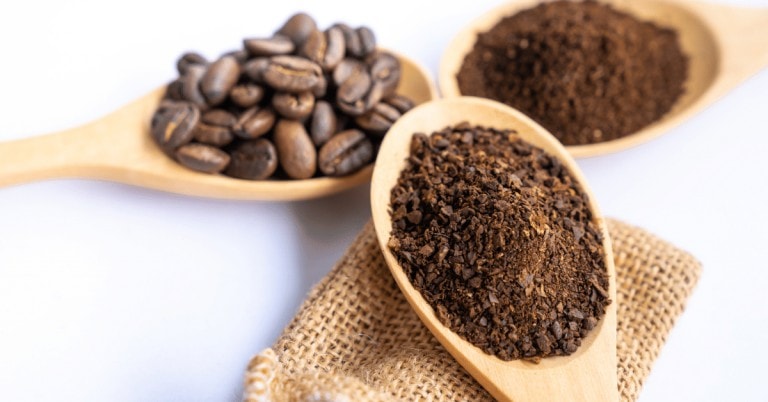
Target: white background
[110,292]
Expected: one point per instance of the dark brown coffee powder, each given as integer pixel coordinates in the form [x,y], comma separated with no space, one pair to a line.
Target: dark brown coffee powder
[499,239]
[584,71]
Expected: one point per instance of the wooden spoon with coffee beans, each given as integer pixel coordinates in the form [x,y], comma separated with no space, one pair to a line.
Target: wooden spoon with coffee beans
[118,147]
[725,45]
[589,374]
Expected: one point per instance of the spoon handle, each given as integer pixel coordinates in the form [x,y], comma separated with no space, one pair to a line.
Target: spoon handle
[115,147]
[68,153]
[743,37]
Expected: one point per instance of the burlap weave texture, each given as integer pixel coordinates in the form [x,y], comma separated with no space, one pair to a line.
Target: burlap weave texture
[356,338]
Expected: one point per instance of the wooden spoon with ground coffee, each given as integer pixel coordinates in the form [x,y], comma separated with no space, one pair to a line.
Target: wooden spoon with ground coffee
[118,147]
[724,45]
[587,373]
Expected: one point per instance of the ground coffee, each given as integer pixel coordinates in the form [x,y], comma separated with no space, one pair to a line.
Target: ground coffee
[583,70]
[498,237]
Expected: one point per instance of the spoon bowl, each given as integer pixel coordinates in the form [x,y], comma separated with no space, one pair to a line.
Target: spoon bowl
[118,147]
[725,46]
[587,375]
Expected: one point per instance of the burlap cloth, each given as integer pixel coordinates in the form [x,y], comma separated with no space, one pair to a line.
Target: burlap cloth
[356,339]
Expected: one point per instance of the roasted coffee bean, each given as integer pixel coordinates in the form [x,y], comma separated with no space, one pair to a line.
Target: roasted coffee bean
[345,153]
[213,135]
[374,96]
[292,74]
[188,59]
[253,160]
[347,68]
[255,68]
[324,48]
[323,124]
[358,94]
[351,40]
[335,48]
[296,153]
[203,158]
[385,68]
[379,119]
[399,102]
[314,47]
[358,42]
[219,117]
[173,124]
[273,46]
[355,87]
[293,106]
[298,28]
[219,79]
[240,55]
[367,40]
[190,86]
[254,122]
[321,88]
[174,90]
[246,95]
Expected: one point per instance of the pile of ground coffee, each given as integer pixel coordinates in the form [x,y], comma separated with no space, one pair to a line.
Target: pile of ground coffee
[583,70]
[499,239]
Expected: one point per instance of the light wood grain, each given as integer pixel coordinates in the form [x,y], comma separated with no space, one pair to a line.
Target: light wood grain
[587,375]
[725,44]
[118,148]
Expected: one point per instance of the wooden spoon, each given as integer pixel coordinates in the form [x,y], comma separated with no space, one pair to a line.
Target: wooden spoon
[587,375]
[725,44]
[118,148]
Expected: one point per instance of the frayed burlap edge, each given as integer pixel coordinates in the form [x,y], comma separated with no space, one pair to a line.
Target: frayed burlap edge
[355,338]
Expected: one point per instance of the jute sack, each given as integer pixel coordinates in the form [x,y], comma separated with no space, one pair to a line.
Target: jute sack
[356,338]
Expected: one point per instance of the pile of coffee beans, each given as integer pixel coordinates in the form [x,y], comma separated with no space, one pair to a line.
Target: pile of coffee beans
[499,239]
[299,104]
[581,69]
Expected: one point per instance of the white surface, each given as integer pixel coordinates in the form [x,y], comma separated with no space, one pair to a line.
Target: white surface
[109,292]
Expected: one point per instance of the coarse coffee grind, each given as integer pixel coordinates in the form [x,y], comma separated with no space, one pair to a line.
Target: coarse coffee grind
[301,103]
[498,237]
[584,71]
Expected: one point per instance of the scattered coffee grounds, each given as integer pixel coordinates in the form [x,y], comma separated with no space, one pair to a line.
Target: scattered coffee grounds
[499,239]
[299,104]
[584,71]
